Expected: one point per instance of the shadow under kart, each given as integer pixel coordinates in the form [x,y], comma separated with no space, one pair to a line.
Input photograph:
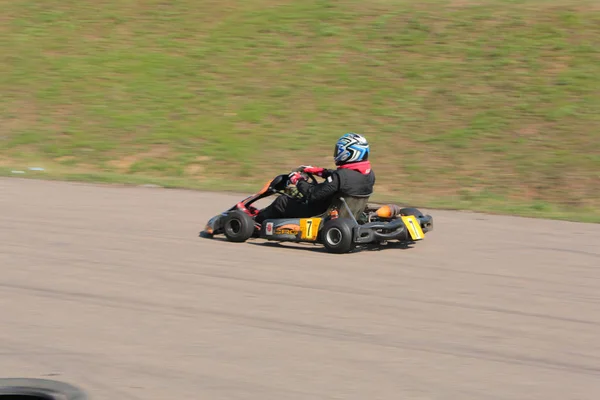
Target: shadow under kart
[349,222]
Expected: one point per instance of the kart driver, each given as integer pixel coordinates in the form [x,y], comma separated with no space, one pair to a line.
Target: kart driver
[353,177]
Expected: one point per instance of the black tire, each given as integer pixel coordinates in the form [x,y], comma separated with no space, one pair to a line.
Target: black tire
[39,389]
[337,235]
[411,211]
[238,226]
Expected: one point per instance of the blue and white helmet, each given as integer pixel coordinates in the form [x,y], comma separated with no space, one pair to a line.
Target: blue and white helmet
[351,148]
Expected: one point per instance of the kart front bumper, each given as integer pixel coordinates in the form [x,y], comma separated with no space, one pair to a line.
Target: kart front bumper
[426,223]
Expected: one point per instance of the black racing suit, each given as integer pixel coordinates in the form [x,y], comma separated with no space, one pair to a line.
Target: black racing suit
[318,197]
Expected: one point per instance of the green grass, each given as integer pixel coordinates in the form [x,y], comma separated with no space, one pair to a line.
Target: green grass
[487,105]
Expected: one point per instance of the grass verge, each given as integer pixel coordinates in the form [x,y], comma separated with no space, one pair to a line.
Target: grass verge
[481,204]
[487,105]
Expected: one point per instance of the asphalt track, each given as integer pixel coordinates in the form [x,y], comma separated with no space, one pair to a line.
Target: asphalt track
[111,289]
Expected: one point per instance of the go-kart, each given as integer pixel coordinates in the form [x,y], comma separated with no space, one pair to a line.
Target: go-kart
[349,222]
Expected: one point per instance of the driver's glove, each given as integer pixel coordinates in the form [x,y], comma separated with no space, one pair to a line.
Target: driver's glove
[312,170]
[294,177]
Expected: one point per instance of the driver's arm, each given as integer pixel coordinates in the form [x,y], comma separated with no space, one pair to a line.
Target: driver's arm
[321,191]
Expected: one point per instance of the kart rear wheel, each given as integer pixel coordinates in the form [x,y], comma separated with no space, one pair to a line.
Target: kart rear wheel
[337,235]
[238,226]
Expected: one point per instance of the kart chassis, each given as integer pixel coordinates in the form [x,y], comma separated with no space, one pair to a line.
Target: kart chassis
[341,228]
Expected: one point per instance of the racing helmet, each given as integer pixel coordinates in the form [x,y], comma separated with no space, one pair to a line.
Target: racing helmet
[351,148]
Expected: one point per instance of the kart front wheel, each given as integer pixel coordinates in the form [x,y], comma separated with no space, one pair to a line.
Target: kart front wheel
[337,236]
[238,226]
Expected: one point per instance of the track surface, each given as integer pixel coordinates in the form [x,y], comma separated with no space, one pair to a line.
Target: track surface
[112,289]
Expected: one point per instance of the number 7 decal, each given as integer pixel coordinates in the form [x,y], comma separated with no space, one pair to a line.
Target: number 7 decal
[310,228]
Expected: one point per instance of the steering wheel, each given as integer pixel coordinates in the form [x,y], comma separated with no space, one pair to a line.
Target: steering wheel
[292,191]
[311,177]
[308,174]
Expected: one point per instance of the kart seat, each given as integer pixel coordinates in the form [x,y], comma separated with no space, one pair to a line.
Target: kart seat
[356,204]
